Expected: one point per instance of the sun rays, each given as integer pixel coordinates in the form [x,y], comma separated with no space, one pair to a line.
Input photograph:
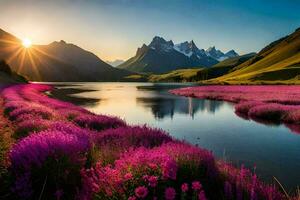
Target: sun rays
[24,57]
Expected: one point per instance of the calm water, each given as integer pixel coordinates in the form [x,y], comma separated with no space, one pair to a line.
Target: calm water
[275,150]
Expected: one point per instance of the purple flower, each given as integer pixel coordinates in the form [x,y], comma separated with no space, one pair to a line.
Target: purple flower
[184,187]
[196,185]
[98,122]
[201,195]
[141,192]
[170,193]
[153,180]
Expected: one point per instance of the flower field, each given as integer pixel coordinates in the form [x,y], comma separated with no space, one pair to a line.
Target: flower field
[60,151]
[265,104]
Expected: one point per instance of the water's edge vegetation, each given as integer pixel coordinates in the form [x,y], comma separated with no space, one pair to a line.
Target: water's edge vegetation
[264,104]
[57,150]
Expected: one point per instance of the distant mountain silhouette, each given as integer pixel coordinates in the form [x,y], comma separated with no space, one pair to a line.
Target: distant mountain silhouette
[162,56]
[219,55]
[58,61]
[115,63]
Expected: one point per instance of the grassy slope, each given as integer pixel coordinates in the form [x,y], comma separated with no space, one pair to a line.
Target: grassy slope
[181,75]
[190,75]
[279,62]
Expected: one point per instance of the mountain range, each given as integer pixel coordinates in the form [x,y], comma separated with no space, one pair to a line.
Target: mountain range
[57,61]
[277,63]
[115,63]
[162,56]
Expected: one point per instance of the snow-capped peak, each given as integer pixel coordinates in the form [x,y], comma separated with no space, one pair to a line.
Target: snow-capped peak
[188,48]
[159,43]
[219,55]
[214,53]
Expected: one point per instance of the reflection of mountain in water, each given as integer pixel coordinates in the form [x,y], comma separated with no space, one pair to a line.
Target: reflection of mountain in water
[166,107]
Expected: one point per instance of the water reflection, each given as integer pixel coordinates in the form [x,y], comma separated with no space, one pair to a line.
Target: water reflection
[158,100]
[167,107]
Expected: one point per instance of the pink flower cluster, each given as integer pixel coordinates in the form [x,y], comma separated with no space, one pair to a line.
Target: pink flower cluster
[50,140]
[69,153]
[266,104]
[155,172]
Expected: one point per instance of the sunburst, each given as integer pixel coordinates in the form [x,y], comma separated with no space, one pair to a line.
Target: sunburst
[26,43]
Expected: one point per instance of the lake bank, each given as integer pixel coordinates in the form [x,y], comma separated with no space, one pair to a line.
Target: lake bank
[210,124]
[61,130]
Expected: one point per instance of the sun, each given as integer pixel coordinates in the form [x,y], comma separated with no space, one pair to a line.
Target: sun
[26,43]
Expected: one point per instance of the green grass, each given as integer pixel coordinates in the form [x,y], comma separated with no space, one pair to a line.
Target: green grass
[200,74]
[181,75]
[279,62]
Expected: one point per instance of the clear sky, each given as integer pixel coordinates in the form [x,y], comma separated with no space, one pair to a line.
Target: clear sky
[113,29]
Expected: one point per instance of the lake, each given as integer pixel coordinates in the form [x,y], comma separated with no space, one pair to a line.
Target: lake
[274,150]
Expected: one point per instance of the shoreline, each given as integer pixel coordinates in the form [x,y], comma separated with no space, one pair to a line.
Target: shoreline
[77,126]
[263,104]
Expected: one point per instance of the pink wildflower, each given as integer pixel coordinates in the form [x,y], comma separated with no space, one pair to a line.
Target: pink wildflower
[128,176]
[184,187]
[201,195]
[132,198]
[196,185]
[141,192]
[153,181]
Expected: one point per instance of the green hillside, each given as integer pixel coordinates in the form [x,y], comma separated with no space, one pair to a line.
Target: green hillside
[200,74]
[180,75]
[279,62]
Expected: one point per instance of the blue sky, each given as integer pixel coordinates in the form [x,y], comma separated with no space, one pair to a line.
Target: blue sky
[113,29]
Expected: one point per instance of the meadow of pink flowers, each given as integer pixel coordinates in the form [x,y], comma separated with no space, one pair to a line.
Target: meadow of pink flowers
[265,104]
[66,152]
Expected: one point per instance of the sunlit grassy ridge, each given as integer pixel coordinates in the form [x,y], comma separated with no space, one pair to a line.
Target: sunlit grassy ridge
[181,75]
[66,152]
[279,62]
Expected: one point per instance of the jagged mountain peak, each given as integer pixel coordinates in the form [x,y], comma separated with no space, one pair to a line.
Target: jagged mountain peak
[193,46]
[187,48]
[160,40]
[231,53]
[160,44]
[141,49]
[212,48]
[215,53]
